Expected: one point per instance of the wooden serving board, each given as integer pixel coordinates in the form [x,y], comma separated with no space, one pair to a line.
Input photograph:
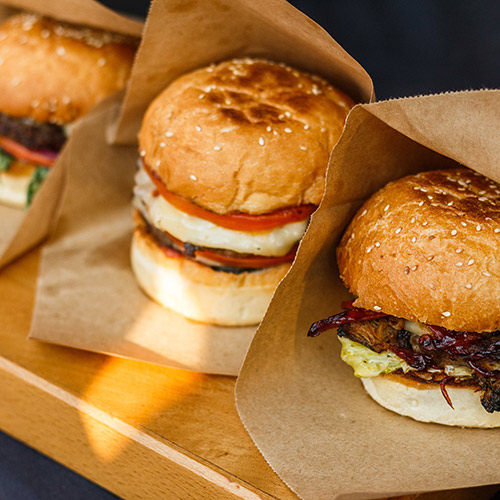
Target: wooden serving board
[139,430]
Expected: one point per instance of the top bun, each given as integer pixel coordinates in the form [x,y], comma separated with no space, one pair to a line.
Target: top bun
[425,248]
[56,72]
[245,135]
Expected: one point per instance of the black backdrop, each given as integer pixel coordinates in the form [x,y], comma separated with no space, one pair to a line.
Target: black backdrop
[408,48]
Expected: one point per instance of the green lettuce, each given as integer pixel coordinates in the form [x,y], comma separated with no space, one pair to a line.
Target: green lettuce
[36,181]
[5,160]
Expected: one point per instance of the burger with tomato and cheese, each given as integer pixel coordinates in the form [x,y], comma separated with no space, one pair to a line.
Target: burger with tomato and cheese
[51,74]
[232,164]
[424,333]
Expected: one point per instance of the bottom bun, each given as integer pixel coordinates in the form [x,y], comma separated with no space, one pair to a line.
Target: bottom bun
[198,292]
[14,184]
[425,402]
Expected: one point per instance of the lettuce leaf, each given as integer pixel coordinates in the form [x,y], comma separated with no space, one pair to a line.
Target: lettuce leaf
[5,160]
[36,181]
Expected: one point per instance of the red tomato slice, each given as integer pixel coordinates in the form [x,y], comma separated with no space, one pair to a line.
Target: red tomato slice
[23,153]
[251,262]
[236,220]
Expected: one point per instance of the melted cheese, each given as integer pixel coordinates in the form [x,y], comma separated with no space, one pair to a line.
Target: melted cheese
[275,242]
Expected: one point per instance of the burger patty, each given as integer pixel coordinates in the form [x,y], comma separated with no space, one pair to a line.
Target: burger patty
[32,134]
[189,249]
[430,353]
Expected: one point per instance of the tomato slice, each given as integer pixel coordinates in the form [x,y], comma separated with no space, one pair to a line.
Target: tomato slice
[237,221]
[251,262]
[23,153]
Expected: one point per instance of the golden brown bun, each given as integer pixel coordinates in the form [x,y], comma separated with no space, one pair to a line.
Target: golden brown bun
[245,135]
[53,71]
[14,184]
[426,403]
[197,291]
[425,248]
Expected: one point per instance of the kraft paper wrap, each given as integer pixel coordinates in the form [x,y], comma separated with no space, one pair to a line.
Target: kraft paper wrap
[307,413]
[87,296]
[21,229]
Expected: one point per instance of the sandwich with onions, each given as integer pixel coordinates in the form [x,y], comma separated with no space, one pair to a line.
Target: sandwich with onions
[51,74]
[232,164]
[423,333]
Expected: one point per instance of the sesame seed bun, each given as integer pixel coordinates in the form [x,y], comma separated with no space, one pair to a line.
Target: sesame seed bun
[14,184]
[425,247]
[198,292]
[54,71]
[425,402]
[244,135]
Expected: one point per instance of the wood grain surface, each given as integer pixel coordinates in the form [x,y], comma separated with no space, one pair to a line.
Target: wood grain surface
[141,431]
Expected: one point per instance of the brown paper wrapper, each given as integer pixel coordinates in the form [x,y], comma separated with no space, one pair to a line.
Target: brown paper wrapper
[87,295]
[21,229]
[307,413]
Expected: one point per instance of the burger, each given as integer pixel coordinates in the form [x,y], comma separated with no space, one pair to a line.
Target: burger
[423,334]
[51,74]
[232,164]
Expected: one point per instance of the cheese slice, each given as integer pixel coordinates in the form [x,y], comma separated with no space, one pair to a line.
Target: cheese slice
[187,228]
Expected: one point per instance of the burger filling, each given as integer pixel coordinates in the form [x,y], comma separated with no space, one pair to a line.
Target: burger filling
[210,244]
[375,343]
[26,145]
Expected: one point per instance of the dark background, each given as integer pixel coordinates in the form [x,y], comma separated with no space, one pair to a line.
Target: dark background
[408,48]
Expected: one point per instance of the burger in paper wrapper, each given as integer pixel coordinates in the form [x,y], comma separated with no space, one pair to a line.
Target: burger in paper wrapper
[51,74]
[233,159]
[423,334]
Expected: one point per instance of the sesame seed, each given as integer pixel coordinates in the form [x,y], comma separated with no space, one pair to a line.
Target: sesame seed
[363,213]
[414,239]
[101,62]
[201,96]
[459,250]
[386,208]
[468,285]
[406,270]
[169,134]
[143,153]
[377,244]
[430,197]
[288,114]
[45,33]
[478,227]
[274,132]
[497,230]
[414,268]
[464,224]
[193,177]
[162,144]
[316,91]
[157,163]
[421,203]
[198,128]
[471,261]
[65,100]
[446,314]
[398,230]
[423,190]
[369,249]
[377,308]
[306,126]
[425,223]
[303,148]
[60,51]
[323,129]
[412,220]
[483,198]
[261,141]
[450,203]
[288,130]
[454,232]
[487,274]
[459,264]
[269,128]
[217,148]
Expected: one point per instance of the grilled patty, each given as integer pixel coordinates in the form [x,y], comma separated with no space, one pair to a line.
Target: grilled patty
[32,134]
